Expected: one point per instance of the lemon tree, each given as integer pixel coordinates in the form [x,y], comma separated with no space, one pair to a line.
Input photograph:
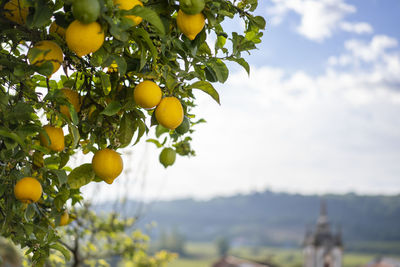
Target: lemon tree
[96,76]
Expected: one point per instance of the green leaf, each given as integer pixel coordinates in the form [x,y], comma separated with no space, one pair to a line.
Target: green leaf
[121,65]
[21,112]
[113,108]
[259,22]
[126,130]
[154,141]
[119,33]
[148,15]
[81,176]
[42,15]
[242,62]
[220,69]
[161,130]
[75,134]
[105,83]
[207,88]
[64,158]
[61,175]
[29,212]
[13,136]
[63,250]
[142,129]
[139,32]
[45,69]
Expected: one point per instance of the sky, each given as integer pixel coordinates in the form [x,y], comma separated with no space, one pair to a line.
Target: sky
[318,114]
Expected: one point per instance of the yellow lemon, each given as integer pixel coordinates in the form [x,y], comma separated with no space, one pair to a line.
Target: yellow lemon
[56,136]
[107,164]
[73,98]
[190,25]
[84,39]
[54,28]
[147,94]
[15,11]
[127,5]
[64,218]
[28,190]
[169,113]
[46,51]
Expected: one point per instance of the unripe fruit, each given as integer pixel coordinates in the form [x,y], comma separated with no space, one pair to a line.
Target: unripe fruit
[167,157]
[184,126]
[86,11]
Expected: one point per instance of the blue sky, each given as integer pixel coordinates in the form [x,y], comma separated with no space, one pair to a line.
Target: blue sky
[319,113]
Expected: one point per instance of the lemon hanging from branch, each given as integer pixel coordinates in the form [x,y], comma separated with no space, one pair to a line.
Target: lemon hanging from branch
[190,25]
[107,164]
[127,5]
[169,113]
[147,94]
[84,39]
[28,190]
[56,136]
[73,98]
[46,51]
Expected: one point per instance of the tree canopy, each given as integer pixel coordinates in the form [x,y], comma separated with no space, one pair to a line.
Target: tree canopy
[70,78]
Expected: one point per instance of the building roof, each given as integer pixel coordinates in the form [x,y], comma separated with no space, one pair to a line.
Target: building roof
[230,261]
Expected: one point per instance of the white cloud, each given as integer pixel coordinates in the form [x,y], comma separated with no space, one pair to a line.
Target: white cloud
[319,19]
[356,27]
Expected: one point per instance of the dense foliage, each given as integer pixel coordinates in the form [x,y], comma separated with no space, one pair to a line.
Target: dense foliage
[103,50]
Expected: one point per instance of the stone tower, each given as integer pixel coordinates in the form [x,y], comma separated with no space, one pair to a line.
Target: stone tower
[322,248]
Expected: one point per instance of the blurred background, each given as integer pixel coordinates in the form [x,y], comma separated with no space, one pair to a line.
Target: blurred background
[302,155]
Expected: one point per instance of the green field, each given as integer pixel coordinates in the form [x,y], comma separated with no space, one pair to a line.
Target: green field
[204,254]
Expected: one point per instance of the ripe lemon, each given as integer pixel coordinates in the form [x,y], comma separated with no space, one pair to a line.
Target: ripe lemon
[46,51]
[127,5]
[73,98]
[169,113]
[55,28]
[15,11]
[190,25]
[64,219]
[84,39]
[147,94]
[86,11]
[107,164]
[56,136]
[167,157]
[28,190]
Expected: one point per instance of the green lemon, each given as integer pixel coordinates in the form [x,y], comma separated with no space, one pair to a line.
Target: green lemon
[183,148]
[167,157]
[192,7]
[184,126]
[86,11]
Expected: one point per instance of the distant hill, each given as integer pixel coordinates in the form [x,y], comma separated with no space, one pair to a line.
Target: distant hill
[369,223]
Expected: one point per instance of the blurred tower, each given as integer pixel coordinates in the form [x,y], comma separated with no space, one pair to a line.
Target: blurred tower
[321,247]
